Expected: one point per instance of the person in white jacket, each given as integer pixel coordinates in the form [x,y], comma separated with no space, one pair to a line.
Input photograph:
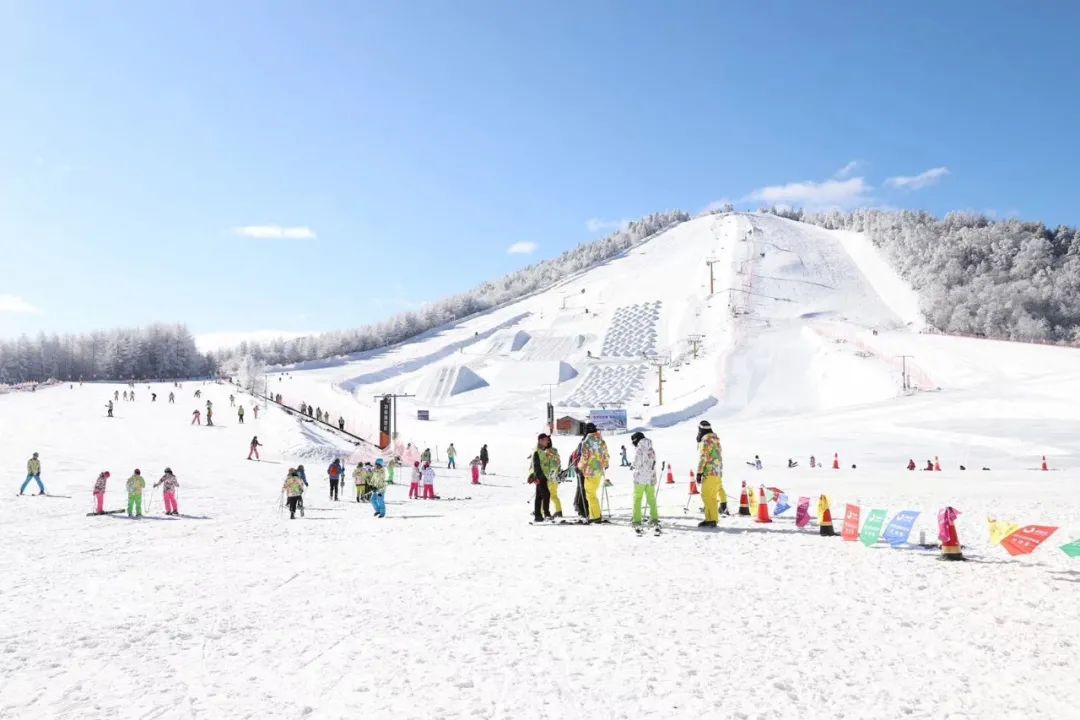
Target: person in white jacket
[644,467]
[428,478]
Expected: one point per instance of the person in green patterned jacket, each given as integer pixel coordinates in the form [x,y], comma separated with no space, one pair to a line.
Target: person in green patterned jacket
[544,471]
[135,485]
[593,464]
[710,475]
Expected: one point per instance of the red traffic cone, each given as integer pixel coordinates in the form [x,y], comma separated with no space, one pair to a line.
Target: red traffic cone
[744,501]
[693,484]
[950,542]
[937,464]
[1044,465]
[836,461]
[762,508]
[825,528]
[670,476]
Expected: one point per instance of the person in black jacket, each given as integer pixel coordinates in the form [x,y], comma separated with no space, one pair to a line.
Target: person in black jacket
[483,460]
[544,468]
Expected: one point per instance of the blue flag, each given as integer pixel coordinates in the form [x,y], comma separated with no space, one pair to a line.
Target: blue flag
[900,527]
[781,504]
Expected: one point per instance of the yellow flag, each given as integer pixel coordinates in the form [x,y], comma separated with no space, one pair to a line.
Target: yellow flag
[999,530]
[752,497]
[822,505]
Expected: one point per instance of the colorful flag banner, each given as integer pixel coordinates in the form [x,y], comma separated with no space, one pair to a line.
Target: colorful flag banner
[871,529]
[782,504]
[899,528]
[946,533]
[850,530]
[999,530]
[776,492]
[1026,539]
[752,497]
[802,512]
[1072,549]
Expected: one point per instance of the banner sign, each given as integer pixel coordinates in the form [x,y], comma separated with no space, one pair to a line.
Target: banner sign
[782,504]
[850,530]
[551,417]
[871,529]
[802,512]
[899,528]
[608,419]
[384,422]
[423,414]
[999,530]
[1072,549]
[1026,539]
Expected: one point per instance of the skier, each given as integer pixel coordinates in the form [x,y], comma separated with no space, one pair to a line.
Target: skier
[99,492]
[232,400]
[341,423]
[377,481]
[710,474]
[125,396]
[33,472]
[196,417]
[593,464]
[475,469]
[169,491]
[484,459]
[209,414]
[361,476]
[451,457]
[255,411]
[240,414]
[132,395]
[253,449]
[644,478]
[792,463]
[425,457]
[198,393]
[414,482]
[109,409]
[623,462]
[334,472]
[428,477]
[544,472]
[303,477]
[116,395]
[172,398]
[135,485]
[756,464]
[294,491]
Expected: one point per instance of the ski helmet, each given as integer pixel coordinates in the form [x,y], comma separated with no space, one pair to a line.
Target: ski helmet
[637,437]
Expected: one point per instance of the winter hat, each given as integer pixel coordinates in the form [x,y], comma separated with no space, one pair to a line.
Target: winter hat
[168,471]
[637,437]
[541,436]
[590,428]
[35,454]
[379,463]
[416,464]
[705,425]
[137,472]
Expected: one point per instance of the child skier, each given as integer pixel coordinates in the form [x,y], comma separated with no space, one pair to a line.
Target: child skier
[428,477]
[377,482]
[169,491]
[135,485]
[414,483]
[294,490]
[33,472]
[475,469]
[99,492]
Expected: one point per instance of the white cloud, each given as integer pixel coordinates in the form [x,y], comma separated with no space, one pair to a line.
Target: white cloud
[811,195]
[16,306]
[270,232]
[847,170]
[522,248]
[598,224]
[220,340]
[917,182]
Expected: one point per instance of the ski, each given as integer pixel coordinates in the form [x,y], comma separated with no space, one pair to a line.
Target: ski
[105,512]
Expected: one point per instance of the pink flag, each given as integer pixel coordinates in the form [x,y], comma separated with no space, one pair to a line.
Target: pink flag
[850,531]
[802,512]
[945,519]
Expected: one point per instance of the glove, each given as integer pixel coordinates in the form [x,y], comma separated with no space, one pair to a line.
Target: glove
[699,477]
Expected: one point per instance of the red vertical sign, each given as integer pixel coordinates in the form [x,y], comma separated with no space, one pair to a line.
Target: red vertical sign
[850,530]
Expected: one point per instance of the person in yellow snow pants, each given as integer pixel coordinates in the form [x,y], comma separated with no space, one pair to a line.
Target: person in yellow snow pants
[712,494]
[592,494]
[553,488]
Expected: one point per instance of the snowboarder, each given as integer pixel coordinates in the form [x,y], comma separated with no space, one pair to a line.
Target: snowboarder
[623,461]
[475,469]
[377,482]
[109,409]
[792,463]
[813,461]
[334,472]
[592,465]
[198,393]
[644,478]
[240,414]
[911,464]
[544,472]
[428,478]
[253,448]
[414,482]
[172,398]
[196,417]
[451,457]
[484,459]
[710,474]
[361,475]
[294,491]
[99,492]
[33,472]
[135,485]
[168,492]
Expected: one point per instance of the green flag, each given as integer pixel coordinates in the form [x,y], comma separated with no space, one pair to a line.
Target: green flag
[871,529]
[1072,549]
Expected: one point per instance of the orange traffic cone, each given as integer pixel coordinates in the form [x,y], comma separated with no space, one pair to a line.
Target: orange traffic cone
[836,461]
[763,508]
[937,464]
[825,528]
[693,484]
[744,501]
[1044,465]
[670,476]
[950,542]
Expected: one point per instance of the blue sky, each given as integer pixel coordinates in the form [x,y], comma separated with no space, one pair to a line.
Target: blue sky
[394,151]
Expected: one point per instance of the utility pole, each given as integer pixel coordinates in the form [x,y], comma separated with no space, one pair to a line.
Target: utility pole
[904,377]
[394,397]
[695,343]
[659,363]
[712,280]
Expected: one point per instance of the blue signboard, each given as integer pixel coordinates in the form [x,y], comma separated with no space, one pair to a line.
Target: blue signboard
[608,419]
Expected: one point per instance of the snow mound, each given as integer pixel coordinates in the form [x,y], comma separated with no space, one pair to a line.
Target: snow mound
[552,347]
[521,339]
[466,381]
[633,331]
[608,384]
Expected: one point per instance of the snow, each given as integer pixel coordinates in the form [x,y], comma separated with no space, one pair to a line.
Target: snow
[459,609]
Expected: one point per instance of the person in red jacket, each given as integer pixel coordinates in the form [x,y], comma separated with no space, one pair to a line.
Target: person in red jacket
[253,449]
